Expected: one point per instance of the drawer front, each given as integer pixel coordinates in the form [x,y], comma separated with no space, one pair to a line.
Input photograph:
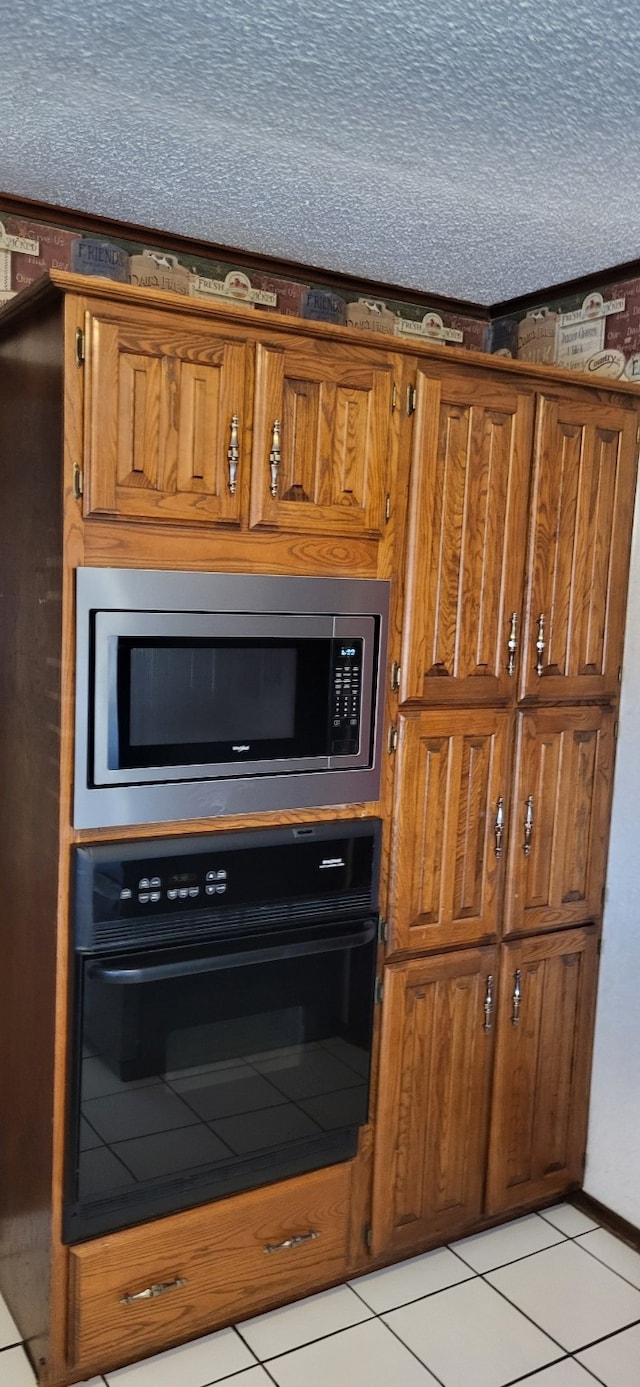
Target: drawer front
[207,1267]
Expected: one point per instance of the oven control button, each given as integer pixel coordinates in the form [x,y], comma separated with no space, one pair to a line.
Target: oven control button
[125,894]
[210,890]
[143,898]
[154,883]
[183,893]
[211,876]
[172,895]
[222,876]
[194,890]
[220,888]
[143,884]
[155,896]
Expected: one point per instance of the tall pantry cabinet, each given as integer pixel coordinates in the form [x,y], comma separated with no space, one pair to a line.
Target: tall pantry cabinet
[517,552]
[139,429]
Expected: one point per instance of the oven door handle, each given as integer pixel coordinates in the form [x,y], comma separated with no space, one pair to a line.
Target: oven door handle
[160,972]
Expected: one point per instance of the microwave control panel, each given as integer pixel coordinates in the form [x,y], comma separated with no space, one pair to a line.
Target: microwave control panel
[347,684]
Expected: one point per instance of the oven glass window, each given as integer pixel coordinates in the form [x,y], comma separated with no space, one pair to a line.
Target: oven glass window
[193,1083]
[188,701]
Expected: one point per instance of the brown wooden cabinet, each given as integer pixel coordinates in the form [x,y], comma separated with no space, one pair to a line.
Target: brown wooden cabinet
[435,1070]
[466,539]
[543,1058]
[449,827]
[160,397]
[582,508]
[559,816]
[321,438]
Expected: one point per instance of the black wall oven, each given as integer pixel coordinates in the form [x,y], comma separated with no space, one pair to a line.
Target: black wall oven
[222,1015]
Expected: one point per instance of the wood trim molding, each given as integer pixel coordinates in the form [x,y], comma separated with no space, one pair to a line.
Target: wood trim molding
[627,1232]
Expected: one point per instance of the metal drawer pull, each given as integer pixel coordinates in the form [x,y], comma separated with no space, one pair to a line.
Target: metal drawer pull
[274,456]
[540,644]
[292,1242]
[152,1291]
[512,643]
[517,993]
[488,1004]
[528,827]
[233,454]
[498,827]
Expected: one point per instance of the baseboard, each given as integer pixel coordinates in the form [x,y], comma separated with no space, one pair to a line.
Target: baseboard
[627,1232]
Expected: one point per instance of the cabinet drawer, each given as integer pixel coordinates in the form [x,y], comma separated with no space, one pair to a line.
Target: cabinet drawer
[218,1263]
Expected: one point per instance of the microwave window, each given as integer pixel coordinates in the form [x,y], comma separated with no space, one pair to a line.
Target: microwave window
[189,701]
[188,695]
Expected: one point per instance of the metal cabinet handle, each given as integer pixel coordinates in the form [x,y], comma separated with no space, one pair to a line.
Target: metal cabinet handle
[515,1000]
[528,827]
[540,645]
[274,456]
[512,643]
[498,827]
[292,1242]
[488,1004]
[233,454]
[151,1292]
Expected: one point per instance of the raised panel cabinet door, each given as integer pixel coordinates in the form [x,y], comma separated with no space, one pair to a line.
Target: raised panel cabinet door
[467,537]
[543,1058]
[582,513]
[433,1107]
[559,817]
[165,418]
[321,434]
[449,835]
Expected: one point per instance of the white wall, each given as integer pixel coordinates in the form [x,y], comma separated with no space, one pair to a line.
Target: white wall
[613,1149]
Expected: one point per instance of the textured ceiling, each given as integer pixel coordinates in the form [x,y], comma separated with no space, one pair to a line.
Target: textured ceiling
[474,148]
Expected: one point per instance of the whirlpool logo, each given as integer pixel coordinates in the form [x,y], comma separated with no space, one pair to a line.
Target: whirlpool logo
[242,746]
[331,862]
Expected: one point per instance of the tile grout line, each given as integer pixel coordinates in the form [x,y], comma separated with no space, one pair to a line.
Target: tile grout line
[626,1280]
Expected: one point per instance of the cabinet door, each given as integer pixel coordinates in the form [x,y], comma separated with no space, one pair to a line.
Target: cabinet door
[582,509]
[449,827]
[431,1127]
[543,1057]
[559,817]
[161,395]
[322,422]
[467,536]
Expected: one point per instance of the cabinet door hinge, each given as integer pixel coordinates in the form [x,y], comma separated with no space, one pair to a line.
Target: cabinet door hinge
[387,508]
[615,731]
[411,399]
[383,932]
[79,347]
[378,991]
[78,481]
[366,1236]
[638,434]
[395,677]
[394,397]
[392,739]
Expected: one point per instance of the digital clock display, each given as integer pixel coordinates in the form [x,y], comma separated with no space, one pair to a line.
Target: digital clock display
[347,650]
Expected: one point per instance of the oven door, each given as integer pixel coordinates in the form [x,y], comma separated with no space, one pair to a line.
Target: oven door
[204,1071]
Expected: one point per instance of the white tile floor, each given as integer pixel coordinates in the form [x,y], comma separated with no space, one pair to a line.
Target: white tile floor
[550,1300]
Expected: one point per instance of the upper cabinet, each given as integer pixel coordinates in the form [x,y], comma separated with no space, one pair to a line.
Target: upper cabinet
[188,418]
[582,509]
[165,412]
[467,535]
[321,437]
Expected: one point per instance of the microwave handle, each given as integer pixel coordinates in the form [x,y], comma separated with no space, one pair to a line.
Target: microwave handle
[161,972]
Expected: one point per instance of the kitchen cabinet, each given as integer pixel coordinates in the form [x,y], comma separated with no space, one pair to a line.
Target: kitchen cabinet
[543,1056]
[321,438]
[559,816]
[466,535]
[435,1071]
[584,474]
[170,414]
[449,828]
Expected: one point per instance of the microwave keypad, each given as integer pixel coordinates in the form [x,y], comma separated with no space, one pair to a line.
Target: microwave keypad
[346,698]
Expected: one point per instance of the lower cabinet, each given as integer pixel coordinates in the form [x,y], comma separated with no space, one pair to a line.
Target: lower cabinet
[447,1154]
[433,1107]
[148,1287]
[542,1069]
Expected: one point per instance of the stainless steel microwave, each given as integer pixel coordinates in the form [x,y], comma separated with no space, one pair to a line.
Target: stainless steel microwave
[204,694]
